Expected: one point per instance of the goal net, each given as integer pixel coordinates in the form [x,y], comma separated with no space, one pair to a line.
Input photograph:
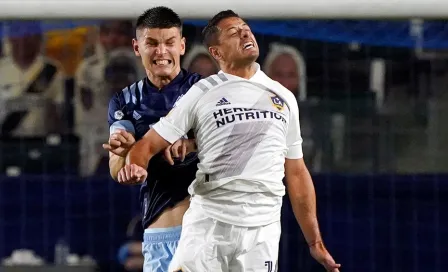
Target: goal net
[369,77]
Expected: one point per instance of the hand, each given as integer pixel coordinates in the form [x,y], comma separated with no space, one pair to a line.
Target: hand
[120,142]
[177,150]
[320,253]
[132,174]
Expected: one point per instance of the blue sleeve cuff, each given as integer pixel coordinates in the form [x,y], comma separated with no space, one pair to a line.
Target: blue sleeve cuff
[122,124]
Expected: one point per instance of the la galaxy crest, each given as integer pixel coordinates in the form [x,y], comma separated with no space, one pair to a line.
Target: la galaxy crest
[277,102]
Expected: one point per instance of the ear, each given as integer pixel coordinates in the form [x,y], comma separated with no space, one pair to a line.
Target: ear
[214,52]
[135,47]
[183,43]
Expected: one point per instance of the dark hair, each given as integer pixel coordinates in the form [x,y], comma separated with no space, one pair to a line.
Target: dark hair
[159,17]
[209,36]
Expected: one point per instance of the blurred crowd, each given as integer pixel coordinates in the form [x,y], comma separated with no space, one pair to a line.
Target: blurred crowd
[360,112]
[61,82]
[56,85]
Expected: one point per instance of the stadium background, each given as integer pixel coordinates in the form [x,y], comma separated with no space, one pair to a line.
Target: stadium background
[372,102]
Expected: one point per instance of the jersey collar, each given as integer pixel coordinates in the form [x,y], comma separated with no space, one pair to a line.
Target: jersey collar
[256,76]
[173,82]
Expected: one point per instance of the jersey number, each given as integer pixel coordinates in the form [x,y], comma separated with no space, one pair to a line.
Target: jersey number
[268,264]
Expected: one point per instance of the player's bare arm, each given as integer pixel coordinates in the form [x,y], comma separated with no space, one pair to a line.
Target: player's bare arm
[118,146]
[137,159]
[303,199]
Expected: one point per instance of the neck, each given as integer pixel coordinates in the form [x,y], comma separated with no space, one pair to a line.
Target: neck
[246,71]
[161,81]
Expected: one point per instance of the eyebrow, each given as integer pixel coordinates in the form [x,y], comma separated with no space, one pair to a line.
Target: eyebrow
[155,40]
[233,27]
[172,38]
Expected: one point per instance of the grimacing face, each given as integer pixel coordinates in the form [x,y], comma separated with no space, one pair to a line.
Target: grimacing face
[237,43]
[160,50]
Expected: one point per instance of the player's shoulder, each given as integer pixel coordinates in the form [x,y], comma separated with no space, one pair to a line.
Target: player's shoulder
[211,82]
[192,78]
[280,90]
[129,93]
[186,80]
[287,94]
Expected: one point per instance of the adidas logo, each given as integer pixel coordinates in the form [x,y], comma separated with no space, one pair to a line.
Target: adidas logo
[222,102]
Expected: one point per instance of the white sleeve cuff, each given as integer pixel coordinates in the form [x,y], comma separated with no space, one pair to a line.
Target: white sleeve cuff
[295,152]
[168,131]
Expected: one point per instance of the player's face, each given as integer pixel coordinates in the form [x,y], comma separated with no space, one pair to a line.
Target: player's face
[160,50]
[236,41]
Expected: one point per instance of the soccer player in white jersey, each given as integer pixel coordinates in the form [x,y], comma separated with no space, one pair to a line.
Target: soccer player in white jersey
[248,136]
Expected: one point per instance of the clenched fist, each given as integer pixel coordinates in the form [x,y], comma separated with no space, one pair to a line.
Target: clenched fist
[132,174]
[120,142]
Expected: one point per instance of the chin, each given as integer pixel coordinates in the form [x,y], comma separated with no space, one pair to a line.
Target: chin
[251,58]
[163,72]
[253,54]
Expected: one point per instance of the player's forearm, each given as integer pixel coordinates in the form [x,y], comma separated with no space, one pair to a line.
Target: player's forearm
[191,146]
[115,164]
[140,153]
[303,199]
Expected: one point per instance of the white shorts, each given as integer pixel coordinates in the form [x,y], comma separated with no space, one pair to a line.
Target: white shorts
[207,245]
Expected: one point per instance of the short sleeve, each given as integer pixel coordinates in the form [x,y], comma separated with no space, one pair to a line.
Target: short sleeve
[117,118]
[181,118]
[294,138]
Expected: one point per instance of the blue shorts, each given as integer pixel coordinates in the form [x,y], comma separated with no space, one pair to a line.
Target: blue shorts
[159,245]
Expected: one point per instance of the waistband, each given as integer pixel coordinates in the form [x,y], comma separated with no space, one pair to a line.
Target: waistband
[156,235]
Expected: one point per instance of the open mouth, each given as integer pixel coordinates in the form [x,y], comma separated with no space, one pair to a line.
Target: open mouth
[161,62]
[248,45]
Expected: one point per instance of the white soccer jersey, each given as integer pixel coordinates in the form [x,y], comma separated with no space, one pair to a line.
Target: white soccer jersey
[244,131]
